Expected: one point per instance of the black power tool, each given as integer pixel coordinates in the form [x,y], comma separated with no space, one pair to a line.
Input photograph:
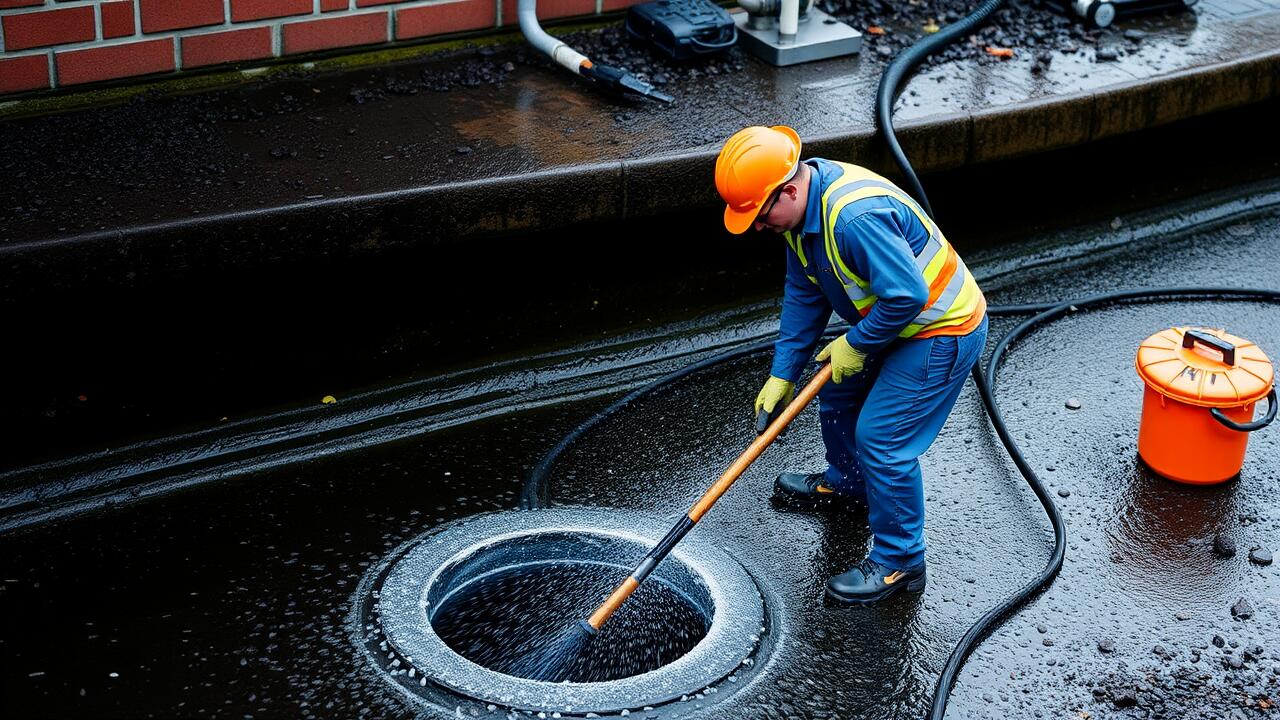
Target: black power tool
[683,29]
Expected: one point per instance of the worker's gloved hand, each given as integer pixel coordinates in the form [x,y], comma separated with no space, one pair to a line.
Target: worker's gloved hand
[774,396]
[846,360]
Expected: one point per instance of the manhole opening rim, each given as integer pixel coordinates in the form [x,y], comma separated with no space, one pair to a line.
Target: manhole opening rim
[738,612]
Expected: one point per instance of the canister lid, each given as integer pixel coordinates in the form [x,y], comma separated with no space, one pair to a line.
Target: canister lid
[1209,368]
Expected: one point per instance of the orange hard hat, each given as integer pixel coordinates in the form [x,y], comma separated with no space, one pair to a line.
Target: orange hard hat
[752,164]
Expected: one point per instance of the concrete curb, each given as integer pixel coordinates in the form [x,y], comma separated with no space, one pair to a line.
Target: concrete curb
[360,225]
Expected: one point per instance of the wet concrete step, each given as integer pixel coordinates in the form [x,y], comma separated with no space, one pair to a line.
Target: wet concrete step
[364,162]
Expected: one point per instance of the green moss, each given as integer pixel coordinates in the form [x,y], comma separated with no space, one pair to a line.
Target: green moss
[64,100]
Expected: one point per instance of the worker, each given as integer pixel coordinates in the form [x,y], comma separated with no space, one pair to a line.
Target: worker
[859,246]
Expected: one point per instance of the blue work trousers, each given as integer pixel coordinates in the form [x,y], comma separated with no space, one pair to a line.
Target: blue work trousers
[878,423]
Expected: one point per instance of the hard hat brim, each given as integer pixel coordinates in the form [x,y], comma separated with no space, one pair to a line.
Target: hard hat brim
[738,222]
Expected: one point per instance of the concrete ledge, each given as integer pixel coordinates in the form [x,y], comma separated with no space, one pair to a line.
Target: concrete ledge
[506,204]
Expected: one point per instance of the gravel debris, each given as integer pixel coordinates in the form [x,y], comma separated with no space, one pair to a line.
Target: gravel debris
[1224,546]
[1242,610]
[1124,697]
[1260,556]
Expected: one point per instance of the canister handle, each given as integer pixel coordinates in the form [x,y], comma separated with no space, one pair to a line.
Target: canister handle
[1191,337]
[1249,426]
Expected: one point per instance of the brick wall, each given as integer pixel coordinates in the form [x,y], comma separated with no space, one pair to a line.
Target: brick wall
[61,43]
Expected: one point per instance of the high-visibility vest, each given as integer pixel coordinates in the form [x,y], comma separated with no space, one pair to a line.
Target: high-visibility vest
[955,305]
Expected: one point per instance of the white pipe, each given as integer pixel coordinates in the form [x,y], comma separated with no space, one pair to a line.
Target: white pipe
[789,20]
[527,10]
[770,7]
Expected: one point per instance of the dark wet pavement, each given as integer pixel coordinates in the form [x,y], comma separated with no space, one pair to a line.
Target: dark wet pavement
[311,143]
[235,599]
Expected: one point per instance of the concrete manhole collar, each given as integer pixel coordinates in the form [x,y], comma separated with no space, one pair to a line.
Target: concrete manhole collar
[406,592]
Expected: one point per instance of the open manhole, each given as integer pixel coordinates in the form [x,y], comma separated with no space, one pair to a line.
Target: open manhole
[463,607]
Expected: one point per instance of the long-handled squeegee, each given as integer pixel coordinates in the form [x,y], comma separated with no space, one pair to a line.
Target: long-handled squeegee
[553,664]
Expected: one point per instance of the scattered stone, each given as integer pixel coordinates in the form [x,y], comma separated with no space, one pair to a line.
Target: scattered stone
[1042,629]
[1042,61]
[1182,615]
[1260,556]
[463,149]
[1106,54]
[1064,493]
[1047,642]
[1224,546]
[1241,230]
[1124,697]
[1106,645]
[1073,404]
[1242,610]
[1219,641]
[1234,663]
[1160,652]
[1134,35]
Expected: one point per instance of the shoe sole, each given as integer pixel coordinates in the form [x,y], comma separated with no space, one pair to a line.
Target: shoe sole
[914,586]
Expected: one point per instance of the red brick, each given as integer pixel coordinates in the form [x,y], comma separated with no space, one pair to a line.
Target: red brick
[242,10]
[445,17]
[328,5]
[117,19]
[158,15]
[611,5]
[19,3]
[28,72]
[114,61]
[52,27]
[548,9]
[309,35]
[228,46]
[368,3]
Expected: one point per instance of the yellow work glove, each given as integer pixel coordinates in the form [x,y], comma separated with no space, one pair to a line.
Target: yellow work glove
[846,360]
[774,396]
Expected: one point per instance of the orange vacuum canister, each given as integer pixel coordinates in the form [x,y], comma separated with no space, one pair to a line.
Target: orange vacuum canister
[1197,410]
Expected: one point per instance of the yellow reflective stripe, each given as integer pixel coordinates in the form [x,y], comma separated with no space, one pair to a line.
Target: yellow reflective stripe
[797,247]
[963,307]
[930,271]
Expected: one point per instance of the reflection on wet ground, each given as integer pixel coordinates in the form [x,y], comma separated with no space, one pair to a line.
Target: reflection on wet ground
[233,599]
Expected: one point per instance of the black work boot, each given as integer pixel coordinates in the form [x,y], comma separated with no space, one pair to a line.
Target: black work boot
[869,582]
[800,491]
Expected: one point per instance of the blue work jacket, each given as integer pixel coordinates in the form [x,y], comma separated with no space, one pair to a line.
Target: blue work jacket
[877,238]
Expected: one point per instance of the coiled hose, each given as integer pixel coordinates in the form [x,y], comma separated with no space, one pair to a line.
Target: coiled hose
[535,492]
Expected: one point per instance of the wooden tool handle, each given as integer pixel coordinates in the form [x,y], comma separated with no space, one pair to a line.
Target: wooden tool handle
[748,456]
[753,451]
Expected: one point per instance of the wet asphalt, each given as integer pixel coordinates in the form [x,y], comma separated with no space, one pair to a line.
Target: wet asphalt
[235,599]
[307,139]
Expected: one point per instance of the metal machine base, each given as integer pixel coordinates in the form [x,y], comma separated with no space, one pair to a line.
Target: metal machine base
[819,37]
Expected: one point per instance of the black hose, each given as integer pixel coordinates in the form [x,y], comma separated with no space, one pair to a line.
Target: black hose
[891,80]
